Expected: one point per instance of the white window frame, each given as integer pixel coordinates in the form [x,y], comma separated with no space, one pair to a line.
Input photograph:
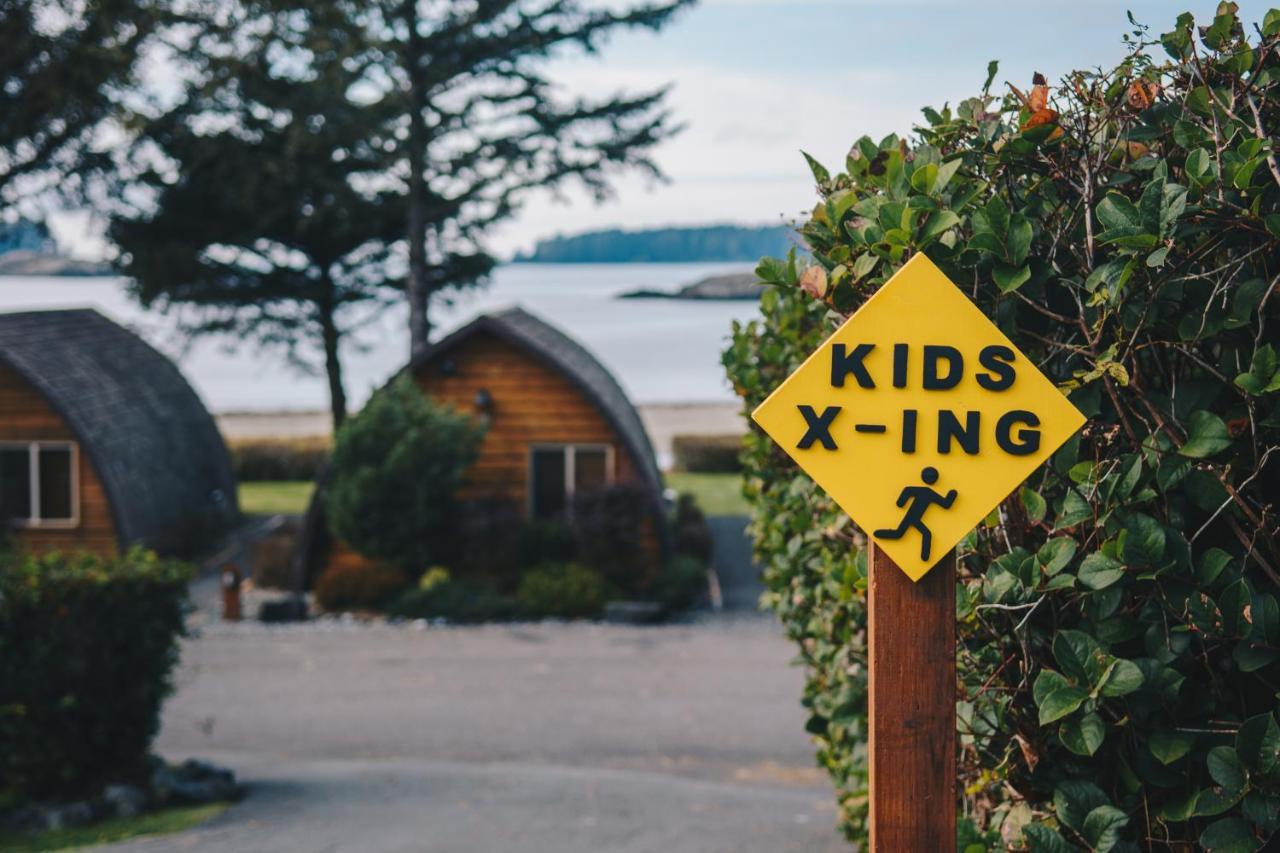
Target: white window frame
[570,454]
[34,521]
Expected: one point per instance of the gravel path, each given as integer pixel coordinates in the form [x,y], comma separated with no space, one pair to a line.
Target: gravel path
[540,737]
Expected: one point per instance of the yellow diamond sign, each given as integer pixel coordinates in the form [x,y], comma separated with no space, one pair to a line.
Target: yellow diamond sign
[918,416]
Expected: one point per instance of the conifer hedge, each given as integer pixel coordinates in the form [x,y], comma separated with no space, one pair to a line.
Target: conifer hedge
[1119,627]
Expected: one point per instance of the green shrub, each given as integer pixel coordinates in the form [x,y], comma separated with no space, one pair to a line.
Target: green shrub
[87,647]
[681,584]
[278,460]
[564,590]
[692,534]
[1119,632]
[358,586]
[458,601]
[707,454]
[614,535]
[396,469]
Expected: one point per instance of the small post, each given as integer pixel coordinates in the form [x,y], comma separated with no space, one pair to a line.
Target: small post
[231,579]
[912,706]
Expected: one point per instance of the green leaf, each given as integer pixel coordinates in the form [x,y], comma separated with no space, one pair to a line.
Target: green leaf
[946,172]
[1123,678]
[1251,657]
[1226,768]
[1060,702]
[1019,241]
[1173,203]
[1117,212]
[1042,839]
[820,173]
[1033,505]
[1211,565]
[996,217]
[1099,571]
[1009,278]
[1075,799]
[1168,746]
[1229,835]
[1047,682]
[925,178]
[864,264]
[1102,827]
[1082,735]
[1207,436]
[1144,542]
[1258,743]
[1078,655]
[1262,377]
[1270,23]
[1075,509]
[937,223]
[1056,554]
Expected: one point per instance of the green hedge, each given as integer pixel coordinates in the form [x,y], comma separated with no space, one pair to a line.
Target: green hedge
[707,454]
[278,460]
[87,646]
[1119,631]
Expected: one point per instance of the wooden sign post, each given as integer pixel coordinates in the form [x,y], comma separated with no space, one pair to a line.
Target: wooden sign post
[911,638]
[918,416]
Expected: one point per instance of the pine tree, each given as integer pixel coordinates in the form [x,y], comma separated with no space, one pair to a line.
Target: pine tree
[262,217]
[62,68]
[485,124]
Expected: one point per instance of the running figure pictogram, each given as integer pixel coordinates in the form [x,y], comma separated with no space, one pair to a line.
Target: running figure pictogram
[921,498]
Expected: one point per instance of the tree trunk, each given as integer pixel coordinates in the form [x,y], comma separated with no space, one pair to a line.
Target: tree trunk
[419,287]
[331,337]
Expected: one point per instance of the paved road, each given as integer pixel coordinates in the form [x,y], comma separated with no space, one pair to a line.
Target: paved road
[566,738]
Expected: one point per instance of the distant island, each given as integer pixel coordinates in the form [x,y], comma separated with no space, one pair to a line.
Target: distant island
[705,243]
[738,285]
[27,248]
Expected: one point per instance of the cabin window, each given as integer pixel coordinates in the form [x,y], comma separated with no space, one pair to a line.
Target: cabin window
[39,483]
[559,471]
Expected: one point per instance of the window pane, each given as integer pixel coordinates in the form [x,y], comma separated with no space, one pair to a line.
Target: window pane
[55,483]
[589,469]
[15,483]
[548,482]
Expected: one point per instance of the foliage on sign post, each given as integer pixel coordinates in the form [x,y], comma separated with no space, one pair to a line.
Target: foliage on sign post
[1118,617]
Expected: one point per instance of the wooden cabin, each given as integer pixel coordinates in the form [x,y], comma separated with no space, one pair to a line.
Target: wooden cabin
[558,424]
[103,444]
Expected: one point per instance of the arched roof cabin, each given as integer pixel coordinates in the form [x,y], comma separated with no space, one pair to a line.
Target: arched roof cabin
[103,444]
[558,424]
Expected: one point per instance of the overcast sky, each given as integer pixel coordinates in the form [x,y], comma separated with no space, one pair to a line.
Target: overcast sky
[756,81]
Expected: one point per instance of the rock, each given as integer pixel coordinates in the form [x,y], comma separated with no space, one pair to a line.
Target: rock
[193,783]
[633,612]
[125,800]
[293,609]
[728,286]
[71,814]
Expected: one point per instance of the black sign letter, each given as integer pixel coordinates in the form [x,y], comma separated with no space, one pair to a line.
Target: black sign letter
[999,360]
[818,427]
[1028,439]
[842,364]
[955,369]
[949,428]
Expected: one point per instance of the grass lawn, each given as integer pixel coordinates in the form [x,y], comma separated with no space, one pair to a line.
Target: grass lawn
[275,497]
[108,832]
[716,494]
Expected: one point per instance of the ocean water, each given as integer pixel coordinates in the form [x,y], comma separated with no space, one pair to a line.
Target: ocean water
[661,350]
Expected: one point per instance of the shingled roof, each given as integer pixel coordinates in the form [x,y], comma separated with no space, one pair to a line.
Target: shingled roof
[154,446]
[575,362]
